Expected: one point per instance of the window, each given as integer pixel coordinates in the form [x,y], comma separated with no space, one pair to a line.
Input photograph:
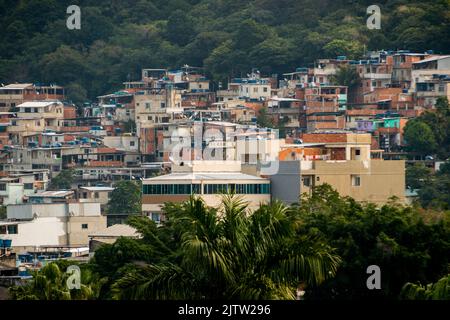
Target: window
[84,226]
[147,105]
[357,152]
[171,189]
[12,229]
[28,186]
[265,89]
[3,187]
[156,217]
[131,143]
[356,180]
[262,188]
[307,181]
[163,105]
[96,195]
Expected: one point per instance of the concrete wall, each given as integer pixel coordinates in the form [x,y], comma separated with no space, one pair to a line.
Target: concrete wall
[153,203]
[13,194]
[27,211]
[86,209]
[286,183]
[122,142]
[39,232]
[79,236]
[379,179]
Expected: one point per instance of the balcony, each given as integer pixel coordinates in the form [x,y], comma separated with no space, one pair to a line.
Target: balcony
[20,128]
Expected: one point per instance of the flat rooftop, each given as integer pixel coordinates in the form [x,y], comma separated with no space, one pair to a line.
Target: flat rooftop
[232,176]
[98,188]
[52,194]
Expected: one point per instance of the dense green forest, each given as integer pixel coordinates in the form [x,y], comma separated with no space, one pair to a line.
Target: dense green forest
[228,37]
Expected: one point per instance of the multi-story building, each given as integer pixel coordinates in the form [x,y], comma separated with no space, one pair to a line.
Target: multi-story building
[345,161]
[325,69]
[322,107]
[252,88]
[387,129]
[13,189]
[25,158]
[373,74]
[14,94]
[34,225]
[157,106]
[402,69]
[430,80]
[34,117]
[207,179]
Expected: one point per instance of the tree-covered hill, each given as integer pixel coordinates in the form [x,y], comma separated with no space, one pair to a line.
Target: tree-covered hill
[228,37]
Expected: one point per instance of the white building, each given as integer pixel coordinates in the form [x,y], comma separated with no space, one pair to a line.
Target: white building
[252,88]
[51,224]
[208,179]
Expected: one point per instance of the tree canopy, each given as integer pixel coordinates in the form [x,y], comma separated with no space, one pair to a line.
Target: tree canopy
[430,132]
[119,38]
[323,245]
[125,198]
[63,181]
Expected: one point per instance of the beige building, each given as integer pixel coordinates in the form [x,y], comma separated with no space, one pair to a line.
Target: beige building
[343,160]
[156,106]
[208,179]
[34,117]
[95,194]
[371,180]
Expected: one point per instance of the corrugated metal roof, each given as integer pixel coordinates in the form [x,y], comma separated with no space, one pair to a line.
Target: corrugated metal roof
[37,104]
[16,86]
[53,194]
[432,59]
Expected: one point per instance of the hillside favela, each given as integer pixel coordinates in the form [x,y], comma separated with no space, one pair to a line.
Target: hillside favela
[216,150]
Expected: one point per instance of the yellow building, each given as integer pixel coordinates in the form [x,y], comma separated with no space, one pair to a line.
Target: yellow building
[345,161]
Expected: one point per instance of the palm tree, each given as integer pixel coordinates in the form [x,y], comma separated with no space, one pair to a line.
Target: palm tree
[433,291]
[229,252]
[50,283]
